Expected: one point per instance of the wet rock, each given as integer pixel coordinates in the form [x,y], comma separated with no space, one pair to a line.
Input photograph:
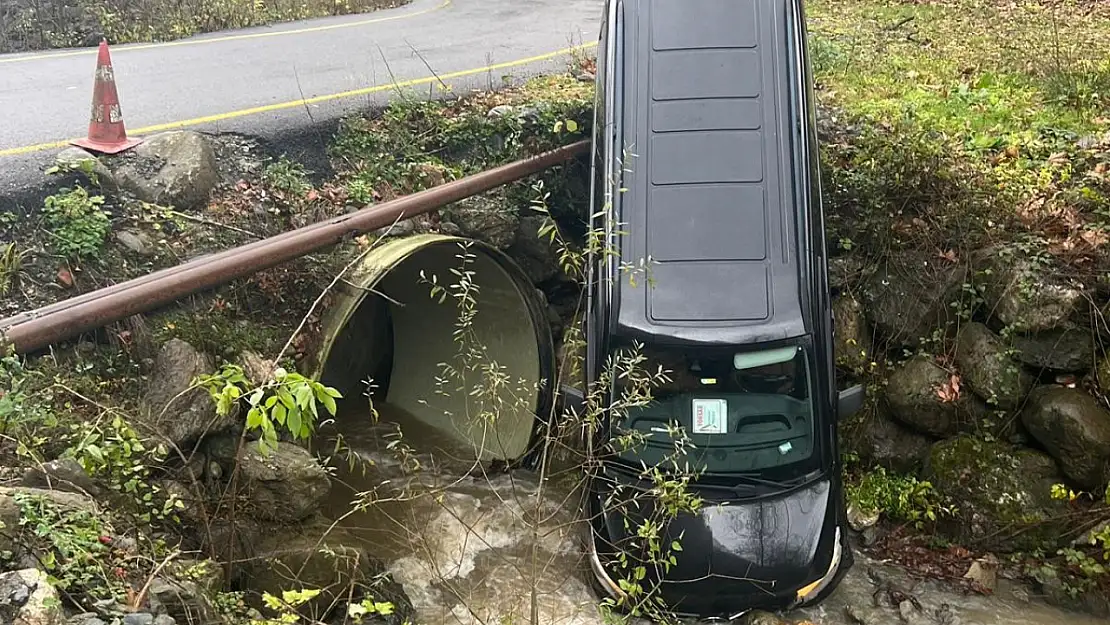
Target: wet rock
[182,600]
[759,617]
[1075,429]
[63,474]
[1003,494]
[86,618]
[1027,297]
[910,298]
[1056,591]
[889,444]
[179,416]
[534,253]
[75,158]
[852,334]
[988,369]
[137,242]
[321,559]
[914,396]
[1063,349]
[139,618]
[286,486]
[28,598]
[174,169]
[487,219]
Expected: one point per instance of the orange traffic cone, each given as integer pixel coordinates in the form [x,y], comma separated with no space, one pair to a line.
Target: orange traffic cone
[106,131]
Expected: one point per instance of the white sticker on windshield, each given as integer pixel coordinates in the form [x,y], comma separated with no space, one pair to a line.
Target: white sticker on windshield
[710,416]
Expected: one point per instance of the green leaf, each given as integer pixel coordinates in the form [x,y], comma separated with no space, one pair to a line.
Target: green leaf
[254,418]
[295,421]
[675,546]
[279,413]
[572,126]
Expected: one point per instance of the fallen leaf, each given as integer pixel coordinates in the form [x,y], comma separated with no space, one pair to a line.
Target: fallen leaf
[312,195]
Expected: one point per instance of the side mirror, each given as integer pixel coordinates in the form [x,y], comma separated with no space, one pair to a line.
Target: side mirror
[850,400]
[571,398]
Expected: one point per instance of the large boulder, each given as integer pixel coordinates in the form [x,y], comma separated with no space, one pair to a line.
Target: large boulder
[1075,429]
[173,169]
[852,334]
[318,557]
[989,368]
[28,598]
[1002,494]
[534,252]
[1026,296]
[486,219]
[170,409]
[1069,348]
[921,394]
[885,442]
[911,297]
[11,512]
[63,474]
[76,159]
[286,485]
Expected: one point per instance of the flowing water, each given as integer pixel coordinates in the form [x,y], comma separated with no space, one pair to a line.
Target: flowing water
[504,549]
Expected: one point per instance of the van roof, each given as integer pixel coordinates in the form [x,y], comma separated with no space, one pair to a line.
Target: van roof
[708,91]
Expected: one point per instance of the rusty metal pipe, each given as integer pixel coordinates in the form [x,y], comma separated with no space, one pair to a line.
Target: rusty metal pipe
[36,329]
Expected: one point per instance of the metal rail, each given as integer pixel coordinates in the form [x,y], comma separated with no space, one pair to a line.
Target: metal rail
[33,330]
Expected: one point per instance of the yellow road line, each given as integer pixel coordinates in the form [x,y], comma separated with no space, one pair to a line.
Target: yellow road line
[314,100]
[194,42]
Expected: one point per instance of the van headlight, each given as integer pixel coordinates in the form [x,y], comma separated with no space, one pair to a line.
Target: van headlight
[815,588]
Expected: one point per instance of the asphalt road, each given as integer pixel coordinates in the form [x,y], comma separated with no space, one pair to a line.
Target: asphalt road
[278,80]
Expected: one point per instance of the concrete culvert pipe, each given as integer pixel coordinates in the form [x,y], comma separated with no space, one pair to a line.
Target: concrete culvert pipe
[385,325]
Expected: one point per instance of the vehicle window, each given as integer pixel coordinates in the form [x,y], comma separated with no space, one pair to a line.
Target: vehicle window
[746,411]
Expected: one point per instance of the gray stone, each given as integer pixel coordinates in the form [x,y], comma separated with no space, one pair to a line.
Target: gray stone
[86,618]
[911,297]
[258,370]
[286,486]
[535,254]
[485,218]
[887,443]
[502,110]
[139,618]
[912,397]
[174,168]
[1027,296]
[64,474]
[1069,348]
[137,242]
[171,412]
[846,272]
[1002,494]
[28,598]
[183,600]
[989,369]
[851,334]
[759,617]
[165,619]
[75,158]
[1075,429]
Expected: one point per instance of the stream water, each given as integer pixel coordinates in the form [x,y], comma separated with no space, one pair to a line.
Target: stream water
[501,548]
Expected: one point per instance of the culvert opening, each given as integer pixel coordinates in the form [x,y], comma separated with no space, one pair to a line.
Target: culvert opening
[386,326]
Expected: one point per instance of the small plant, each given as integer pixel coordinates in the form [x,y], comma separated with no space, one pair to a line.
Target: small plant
[367,608]
[73,546]
[118,456]
[902,498]
[288,401]
[287,178]
[285,606]
[11,264]
[77,223]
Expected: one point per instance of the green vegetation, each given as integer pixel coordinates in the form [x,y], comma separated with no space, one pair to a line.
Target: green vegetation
[39,24]
[78,223]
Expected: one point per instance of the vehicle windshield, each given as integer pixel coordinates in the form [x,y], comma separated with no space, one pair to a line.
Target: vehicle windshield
[746,411]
